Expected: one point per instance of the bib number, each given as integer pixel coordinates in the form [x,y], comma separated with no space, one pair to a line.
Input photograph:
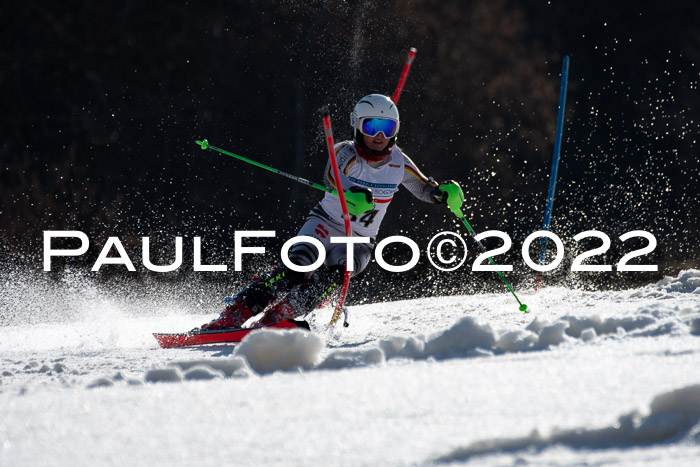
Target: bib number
[365,219]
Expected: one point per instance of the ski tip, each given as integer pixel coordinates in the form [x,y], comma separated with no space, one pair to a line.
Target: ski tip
[203,144]
[170,340]
[325,112]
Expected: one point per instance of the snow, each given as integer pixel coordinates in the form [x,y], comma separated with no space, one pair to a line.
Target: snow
[586,377]
[268,351]
[674,417]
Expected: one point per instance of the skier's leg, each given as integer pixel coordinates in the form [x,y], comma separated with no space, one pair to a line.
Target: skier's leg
[280,280]
[314,292]
[306,297]
[362,254]
[256,297]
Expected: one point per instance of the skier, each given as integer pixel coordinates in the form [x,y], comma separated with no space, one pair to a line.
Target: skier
[371,169]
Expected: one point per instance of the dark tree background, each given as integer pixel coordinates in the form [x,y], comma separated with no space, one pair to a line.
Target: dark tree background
[102,101]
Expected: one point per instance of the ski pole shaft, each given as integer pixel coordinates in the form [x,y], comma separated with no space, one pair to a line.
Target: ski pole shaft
[404,74]
[204,144]
[464,220]
[555,157]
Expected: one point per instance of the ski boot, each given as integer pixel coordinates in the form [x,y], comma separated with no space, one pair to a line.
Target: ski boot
[233,316]
[279,312]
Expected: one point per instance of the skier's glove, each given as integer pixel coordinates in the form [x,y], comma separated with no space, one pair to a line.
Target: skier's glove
[359,200]
[450,193]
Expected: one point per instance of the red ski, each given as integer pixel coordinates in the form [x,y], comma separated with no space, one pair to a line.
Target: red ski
[197,337]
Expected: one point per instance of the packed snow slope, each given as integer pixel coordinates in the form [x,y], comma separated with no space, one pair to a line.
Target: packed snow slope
[586,377]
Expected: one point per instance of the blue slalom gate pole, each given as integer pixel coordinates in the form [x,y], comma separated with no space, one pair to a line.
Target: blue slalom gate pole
[555,158]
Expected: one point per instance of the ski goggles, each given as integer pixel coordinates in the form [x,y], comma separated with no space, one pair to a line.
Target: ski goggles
[374,126]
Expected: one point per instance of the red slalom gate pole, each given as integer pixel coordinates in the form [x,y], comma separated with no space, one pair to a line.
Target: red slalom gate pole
[404,74]
[346,215]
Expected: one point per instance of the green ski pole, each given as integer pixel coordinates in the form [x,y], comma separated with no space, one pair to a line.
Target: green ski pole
[204,144]
[456,210]
[359,202]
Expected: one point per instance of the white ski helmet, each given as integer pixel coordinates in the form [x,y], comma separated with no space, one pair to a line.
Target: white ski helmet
[374,106]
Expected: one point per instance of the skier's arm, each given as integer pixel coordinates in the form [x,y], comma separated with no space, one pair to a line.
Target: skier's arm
[426,189]
[419,185]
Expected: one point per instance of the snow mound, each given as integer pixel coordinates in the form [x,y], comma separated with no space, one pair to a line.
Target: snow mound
[681,401]
[203,373]
[462,339]
[272,350]
[348,358]
[467,337]
[687,282]
[100,383]
[695,327]
[464,336]
[260,352]
[513,341]
[176,372]
[608,325]
[235,367]
[674,417]
[552,335]
[164,375]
